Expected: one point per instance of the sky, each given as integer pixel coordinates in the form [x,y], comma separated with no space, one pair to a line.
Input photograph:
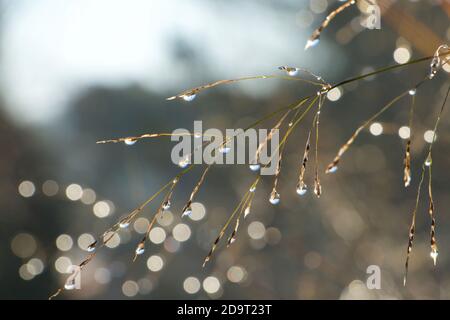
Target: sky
[53,49]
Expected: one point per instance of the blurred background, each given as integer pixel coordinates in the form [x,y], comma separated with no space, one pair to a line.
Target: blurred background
[74,72]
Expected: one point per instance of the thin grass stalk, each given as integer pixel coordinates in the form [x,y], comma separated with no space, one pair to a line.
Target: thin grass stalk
[433,241]
[332,167]
[314,38]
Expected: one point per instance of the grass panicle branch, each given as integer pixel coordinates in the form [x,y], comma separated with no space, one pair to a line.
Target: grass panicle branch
[244,206]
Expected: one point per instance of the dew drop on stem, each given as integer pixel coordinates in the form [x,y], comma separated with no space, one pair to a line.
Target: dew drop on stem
[428,160]
[246,212]
[188,96]
[311,43]
[274,197]
[69,285]
[124,224]
[224,149]
[332,169]
[166,205]
[187,212]
[92,246]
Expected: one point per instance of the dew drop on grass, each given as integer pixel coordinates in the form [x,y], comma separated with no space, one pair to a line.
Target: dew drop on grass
[274,198]
[301,190]
[166,205]
[129,142]
[189,96]
[183,162]
[311,43]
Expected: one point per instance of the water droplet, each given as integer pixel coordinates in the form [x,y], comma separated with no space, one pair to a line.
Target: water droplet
[124,224]
[311,43]
[166,205]
[252,189]
[91,247]
[332,169]
[187,212]
[255,167]
[69,285]
[428,160]
[184,162]
[246,211]
[274,197]
[301,189]
[224,149]
[412,92]
[434,255]
[140,249]
[188,96]
[129,142]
